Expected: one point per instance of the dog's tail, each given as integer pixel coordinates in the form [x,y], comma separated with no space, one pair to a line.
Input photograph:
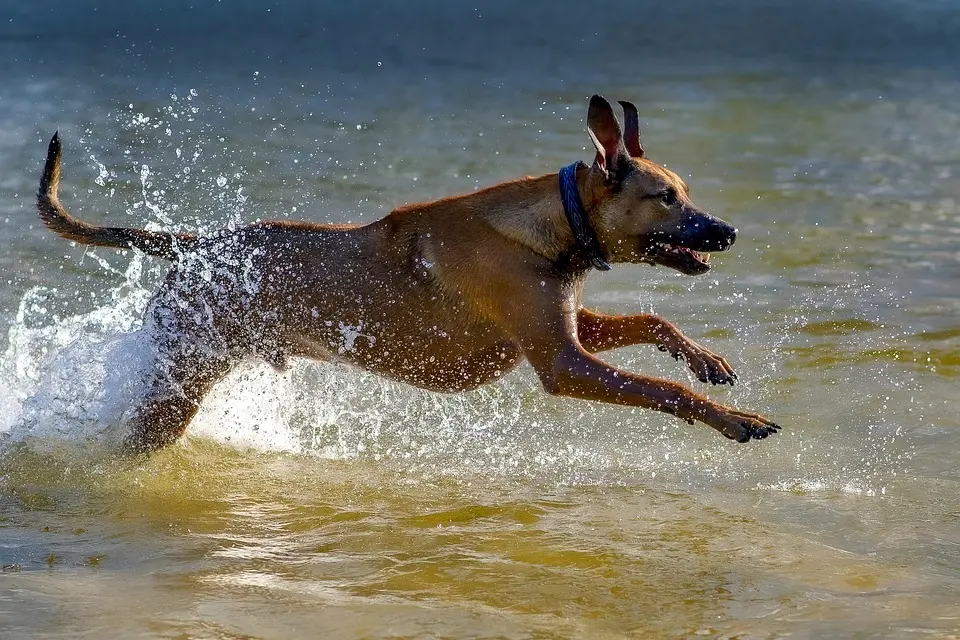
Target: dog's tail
[57,219]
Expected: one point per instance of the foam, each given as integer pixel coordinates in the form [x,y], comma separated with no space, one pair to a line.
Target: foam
[73,378]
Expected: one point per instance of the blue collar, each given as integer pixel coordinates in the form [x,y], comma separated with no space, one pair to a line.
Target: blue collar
[583,233]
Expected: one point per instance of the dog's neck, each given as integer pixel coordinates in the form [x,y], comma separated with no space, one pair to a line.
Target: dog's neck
[531,211]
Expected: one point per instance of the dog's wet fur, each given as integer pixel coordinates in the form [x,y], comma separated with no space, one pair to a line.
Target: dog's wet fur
[446,295]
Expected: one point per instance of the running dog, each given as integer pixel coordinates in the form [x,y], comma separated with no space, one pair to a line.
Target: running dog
[446,295]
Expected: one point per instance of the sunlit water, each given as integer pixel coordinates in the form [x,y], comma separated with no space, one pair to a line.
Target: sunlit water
[325,502]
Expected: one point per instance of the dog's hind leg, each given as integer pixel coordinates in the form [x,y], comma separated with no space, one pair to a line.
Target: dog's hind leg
[175,391]
[600,332]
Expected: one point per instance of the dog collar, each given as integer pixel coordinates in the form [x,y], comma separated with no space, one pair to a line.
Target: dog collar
[583,233]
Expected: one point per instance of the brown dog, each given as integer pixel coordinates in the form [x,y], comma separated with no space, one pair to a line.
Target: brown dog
[445,295]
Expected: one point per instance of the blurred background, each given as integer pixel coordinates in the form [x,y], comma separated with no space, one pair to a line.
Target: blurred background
[325,501]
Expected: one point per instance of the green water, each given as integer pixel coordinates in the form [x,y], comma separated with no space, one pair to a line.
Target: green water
[329,503]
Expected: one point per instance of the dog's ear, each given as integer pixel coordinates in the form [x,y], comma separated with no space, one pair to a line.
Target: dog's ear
[631,129]
[604,130]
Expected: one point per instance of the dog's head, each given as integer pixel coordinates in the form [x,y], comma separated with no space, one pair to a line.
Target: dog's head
[642,211]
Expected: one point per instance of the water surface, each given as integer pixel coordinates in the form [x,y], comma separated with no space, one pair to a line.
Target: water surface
[328,502]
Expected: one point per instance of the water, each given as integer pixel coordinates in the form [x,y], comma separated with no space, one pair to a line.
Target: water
[326,502]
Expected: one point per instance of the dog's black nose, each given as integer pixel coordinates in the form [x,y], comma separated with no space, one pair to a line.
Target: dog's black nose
[731,236]
[703,232]
[720,235]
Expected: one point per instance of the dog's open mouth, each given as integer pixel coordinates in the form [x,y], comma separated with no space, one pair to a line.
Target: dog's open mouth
[683,259]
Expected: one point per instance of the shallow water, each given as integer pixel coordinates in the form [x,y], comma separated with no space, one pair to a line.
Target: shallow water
[328,502]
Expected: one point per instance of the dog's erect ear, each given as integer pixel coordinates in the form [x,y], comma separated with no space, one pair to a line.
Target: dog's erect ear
[631,129]
[604,130]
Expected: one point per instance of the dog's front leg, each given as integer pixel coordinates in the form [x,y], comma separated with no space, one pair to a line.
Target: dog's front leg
[600,332]
[574,372]
[541,316]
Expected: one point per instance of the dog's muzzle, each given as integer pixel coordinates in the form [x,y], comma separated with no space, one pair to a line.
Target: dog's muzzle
[688,248]
[710,234]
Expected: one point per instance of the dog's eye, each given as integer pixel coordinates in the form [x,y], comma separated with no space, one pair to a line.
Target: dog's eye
[668,197]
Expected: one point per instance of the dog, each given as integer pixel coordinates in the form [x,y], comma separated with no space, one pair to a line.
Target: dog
[445,295]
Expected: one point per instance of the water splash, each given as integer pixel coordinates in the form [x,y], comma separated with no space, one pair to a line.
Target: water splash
[72,377]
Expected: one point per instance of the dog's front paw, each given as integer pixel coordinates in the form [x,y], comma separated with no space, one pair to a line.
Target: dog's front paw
[740,425]
[705,364]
